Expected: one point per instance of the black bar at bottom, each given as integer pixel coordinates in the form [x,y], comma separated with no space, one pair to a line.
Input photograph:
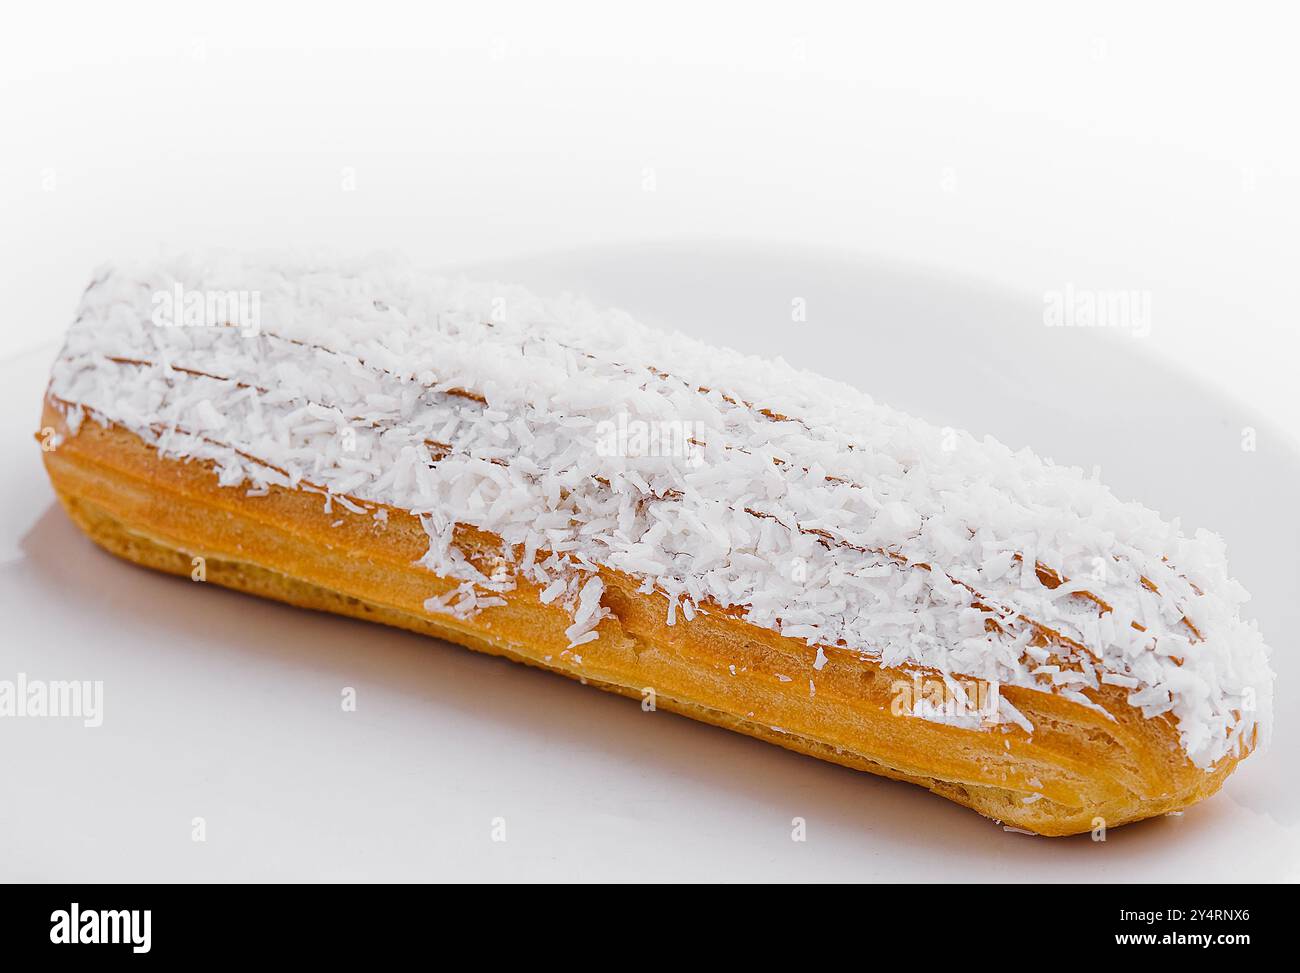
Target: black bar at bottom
[147,922]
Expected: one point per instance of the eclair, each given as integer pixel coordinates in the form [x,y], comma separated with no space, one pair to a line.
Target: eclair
[710,533]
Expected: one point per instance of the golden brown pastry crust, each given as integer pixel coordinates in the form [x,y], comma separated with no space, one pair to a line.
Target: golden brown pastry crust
[1090,770]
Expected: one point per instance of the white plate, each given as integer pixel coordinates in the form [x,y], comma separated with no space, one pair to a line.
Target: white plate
[227,708]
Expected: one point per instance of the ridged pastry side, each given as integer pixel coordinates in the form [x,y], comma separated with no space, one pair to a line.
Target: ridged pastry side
[1079,768]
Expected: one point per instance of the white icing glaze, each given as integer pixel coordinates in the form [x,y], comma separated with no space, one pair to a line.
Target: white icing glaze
[800,502]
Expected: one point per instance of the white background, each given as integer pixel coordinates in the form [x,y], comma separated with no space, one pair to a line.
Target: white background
[922,177]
